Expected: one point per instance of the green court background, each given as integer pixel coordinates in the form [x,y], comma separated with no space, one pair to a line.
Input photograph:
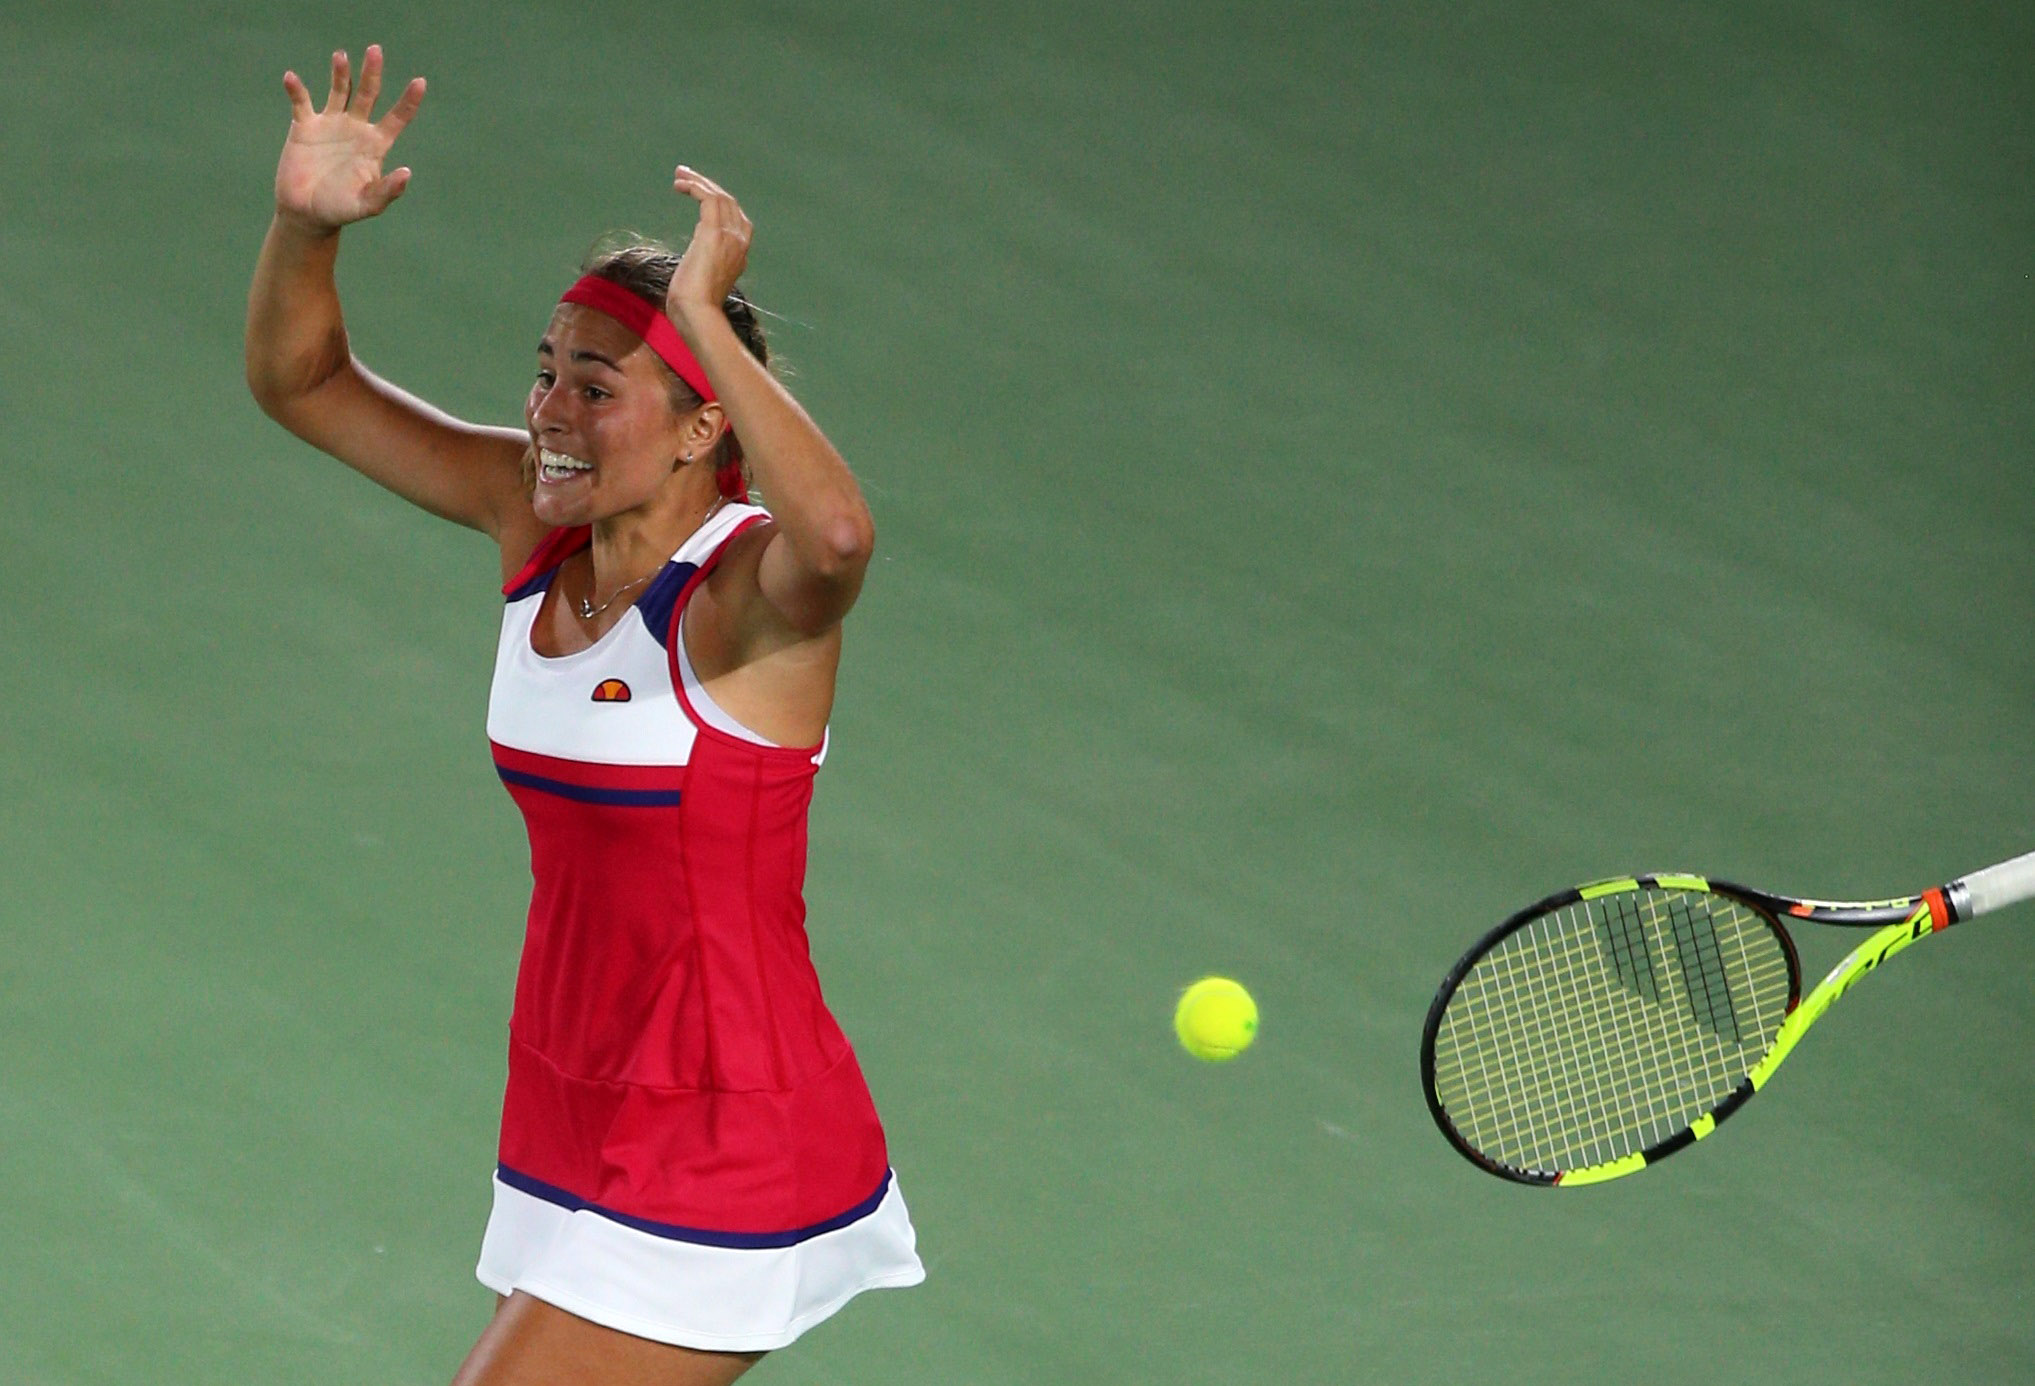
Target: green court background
[1342,471]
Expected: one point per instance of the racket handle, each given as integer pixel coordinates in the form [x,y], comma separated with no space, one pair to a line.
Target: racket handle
[1996,887]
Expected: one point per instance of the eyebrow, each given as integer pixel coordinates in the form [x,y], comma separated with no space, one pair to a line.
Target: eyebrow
[544,349]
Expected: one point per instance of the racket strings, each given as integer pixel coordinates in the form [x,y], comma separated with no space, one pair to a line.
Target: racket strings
[1607,1026]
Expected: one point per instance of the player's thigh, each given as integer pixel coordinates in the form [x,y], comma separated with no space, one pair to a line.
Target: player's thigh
[531,1343]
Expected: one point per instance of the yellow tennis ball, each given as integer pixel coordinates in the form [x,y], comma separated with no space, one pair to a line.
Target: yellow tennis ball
[1216,1019]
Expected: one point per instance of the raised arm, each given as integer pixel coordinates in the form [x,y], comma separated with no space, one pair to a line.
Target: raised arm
[299,365]
[811,567]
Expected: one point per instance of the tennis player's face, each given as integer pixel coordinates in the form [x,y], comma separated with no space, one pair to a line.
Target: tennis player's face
[600,416]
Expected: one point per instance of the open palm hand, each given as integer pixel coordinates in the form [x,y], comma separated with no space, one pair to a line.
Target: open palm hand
[330,173]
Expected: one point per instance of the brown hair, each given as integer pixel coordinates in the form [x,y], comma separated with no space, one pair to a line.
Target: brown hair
[644,267]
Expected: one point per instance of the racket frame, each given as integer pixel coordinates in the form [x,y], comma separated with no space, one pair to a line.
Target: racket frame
[1900,922]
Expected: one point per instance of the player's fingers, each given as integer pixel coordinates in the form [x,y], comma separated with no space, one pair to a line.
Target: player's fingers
[342,83]
[300,97]
[696,185]
[692,185]
[718,209]
[370,85]
[404,110]
[386,190]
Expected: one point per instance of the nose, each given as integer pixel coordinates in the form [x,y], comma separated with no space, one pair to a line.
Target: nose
[546,410]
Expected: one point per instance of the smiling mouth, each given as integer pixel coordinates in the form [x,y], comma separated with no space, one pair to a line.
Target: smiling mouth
[556,467]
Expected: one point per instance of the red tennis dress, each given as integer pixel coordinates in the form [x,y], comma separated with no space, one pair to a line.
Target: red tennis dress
[689,1152]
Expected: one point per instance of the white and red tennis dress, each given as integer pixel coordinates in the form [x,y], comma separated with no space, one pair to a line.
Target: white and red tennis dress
[689,1152]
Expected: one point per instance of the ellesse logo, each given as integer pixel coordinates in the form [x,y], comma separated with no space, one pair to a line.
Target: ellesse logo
[611,691]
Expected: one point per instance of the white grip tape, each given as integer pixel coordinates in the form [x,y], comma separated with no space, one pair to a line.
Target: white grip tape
[1997,887]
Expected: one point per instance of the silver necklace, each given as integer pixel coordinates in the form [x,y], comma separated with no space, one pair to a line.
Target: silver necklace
[587,610]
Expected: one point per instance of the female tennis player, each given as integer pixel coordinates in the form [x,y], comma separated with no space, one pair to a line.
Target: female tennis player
[691,1170]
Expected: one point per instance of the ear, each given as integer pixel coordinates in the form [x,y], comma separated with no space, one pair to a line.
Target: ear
[704,429]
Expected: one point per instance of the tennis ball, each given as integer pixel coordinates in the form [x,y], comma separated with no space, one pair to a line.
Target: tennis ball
[1216,1019]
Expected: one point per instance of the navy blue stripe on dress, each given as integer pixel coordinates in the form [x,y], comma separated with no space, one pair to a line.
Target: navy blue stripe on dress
[662,595]
[590,794]
[739,1241]
[533,586]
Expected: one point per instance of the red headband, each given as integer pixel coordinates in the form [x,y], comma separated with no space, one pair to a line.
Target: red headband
[647,320]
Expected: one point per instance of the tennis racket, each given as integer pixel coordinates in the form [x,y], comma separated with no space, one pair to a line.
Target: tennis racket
[1609,1026]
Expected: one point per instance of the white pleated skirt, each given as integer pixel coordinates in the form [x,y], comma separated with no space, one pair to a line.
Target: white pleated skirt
[671,1290]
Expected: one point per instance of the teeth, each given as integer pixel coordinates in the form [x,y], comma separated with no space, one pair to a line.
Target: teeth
[556,466]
